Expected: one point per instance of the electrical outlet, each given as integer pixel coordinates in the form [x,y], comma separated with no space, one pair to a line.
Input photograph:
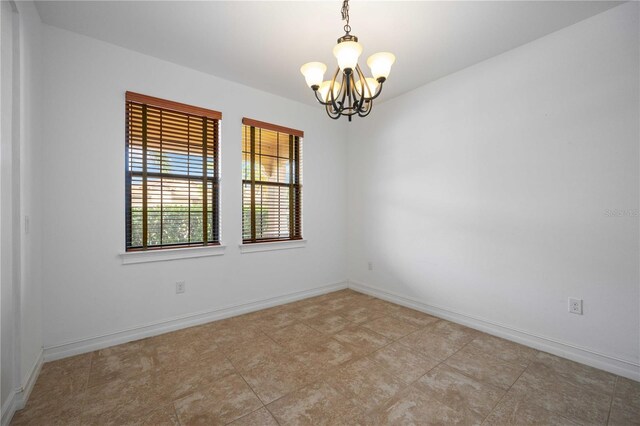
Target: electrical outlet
[575,306]
[370,266]
[181,287]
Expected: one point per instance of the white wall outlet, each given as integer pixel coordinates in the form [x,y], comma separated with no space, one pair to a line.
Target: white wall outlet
[181,287]
[370,266]
[575,306]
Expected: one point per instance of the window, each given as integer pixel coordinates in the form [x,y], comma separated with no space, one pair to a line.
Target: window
[172,180]
[271,182]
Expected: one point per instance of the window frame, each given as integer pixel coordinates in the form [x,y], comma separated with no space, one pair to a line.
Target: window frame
[204,116]
[295,183]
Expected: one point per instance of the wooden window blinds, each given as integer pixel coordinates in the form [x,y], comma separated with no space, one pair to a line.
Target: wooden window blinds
[172,178]
[271,182]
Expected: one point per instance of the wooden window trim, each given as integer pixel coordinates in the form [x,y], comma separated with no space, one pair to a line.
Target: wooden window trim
[268,126]
[174,106]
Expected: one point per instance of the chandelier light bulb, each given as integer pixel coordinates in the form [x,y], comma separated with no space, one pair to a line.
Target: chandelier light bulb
[380,64]
[313,73]
[324,90]
[370,87]
[347,54]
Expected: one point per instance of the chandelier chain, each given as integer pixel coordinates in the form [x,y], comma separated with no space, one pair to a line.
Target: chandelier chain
[345,16]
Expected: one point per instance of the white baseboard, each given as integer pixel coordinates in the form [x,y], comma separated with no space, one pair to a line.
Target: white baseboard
[153,329]
[8,409]
[19,397]
[586,356]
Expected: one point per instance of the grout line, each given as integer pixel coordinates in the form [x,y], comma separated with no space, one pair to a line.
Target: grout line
[613,394]
[508,390]
[269,411]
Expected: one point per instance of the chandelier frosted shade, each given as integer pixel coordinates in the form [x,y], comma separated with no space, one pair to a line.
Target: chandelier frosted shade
[324,90]
[367,88]
[313,73]
[380,64]
[347,54]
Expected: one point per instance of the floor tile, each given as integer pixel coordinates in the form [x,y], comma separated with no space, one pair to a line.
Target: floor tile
[225,400]
[437,346]
[625,407]
[362,339]
[174,383]
[503,349]
[309,311]
[336,304]
[365,383]
[325,356]
[521,411]
[453,330]
[414,407]
[403,362]
[544,387]
[390,327]
[584,376]
[245,356]
[387,308]
[627,393]
[165,416]
[316,404]
[358,314]
[459,391]
[277,320]
[485,368]
[121,362]
[47,411]
[329,323]
[276,377]
[313,365]
[260,417]
[620,416]
[416,318]
[120,400]
[229,338]
[296,337]
[63,379]
[180,349]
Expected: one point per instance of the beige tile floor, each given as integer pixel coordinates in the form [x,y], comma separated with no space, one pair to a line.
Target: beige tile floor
[343,358]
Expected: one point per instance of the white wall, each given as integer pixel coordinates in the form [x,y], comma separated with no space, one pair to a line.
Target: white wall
[485,193]
[7,309]
[20,289]
[88,292]
[30,189]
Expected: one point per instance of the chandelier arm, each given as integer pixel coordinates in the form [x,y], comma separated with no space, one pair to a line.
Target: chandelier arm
[367,111]
[359,102]
[364,86]
[320,100]
[349,90]
[378,91]
[331,89]
[332,113]
[353,100]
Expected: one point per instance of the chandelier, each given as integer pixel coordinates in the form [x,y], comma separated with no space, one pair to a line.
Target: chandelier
[349,92]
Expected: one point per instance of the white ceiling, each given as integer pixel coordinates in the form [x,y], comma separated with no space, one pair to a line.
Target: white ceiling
[263,44]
